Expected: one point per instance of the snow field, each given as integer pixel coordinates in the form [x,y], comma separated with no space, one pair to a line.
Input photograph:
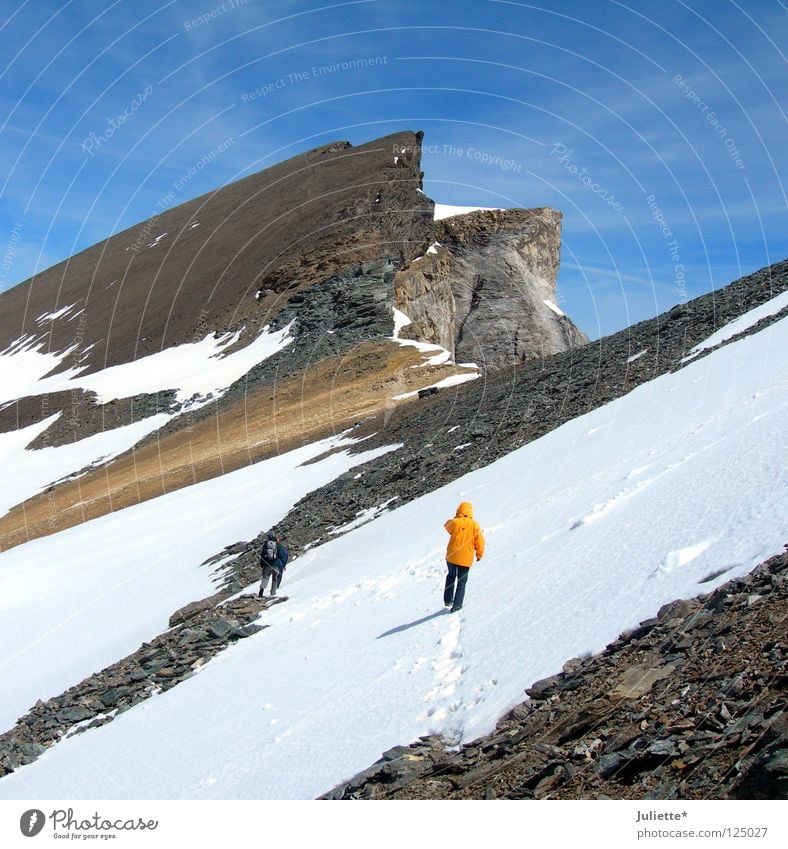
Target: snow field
[197,368]
[74,602]
[23,364]
[589,530]
[28,473]
[194,368]
[445,210]
[741,324]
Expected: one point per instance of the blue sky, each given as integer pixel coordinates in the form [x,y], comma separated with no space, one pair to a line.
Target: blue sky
[658,129]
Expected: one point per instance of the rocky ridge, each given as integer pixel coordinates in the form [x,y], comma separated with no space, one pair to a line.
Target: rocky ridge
[689,705]
[198,632]
[223,261]
[501,412]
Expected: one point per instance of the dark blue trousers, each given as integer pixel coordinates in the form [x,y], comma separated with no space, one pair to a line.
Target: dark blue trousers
[454,592]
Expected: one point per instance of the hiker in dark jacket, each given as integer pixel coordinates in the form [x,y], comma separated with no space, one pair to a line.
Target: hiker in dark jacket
[273,559]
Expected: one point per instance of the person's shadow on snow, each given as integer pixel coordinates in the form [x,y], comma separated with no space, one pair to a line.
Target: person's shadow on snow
[413,624]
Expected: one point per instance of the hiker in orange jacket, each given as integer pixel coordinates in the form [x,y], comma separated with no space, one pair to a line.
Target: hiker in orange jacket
[465,539]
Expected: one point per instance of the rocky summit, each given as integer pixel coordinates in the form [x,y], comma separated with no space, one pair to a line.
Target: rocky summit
[230,258]
[319,249]
[486,289]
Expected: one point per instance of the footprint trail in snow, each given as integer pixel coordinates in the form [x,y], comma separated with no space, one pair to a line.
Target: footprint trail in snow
[444,703]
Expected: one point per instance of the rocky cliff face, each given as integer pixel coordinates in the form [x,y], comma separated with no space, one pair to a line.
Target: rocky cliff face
[504,265]
[486,289]
[423,292]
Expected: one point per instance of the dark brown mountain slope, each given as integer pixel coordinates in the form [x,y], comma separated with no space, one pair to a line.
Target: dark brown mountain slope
[197,267]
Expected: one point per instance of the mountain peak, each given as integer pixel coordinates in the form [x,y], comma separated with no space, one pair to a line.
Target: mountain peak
[199,265]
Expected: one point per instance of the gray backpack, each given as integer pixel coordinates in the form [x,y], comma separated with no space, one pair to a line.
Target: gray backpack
[269,550]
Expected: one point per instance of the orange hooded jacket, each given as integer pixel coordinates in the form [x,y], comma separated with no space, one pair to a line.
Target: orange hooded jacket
[465,537]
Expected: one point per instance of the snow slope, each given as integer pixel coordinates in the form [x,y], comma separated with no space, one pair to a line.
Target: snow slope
[74,602]
[196,368]
[29,472]
[589,530]
[200,369]
[446,210]
[742,323]
[22,364]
